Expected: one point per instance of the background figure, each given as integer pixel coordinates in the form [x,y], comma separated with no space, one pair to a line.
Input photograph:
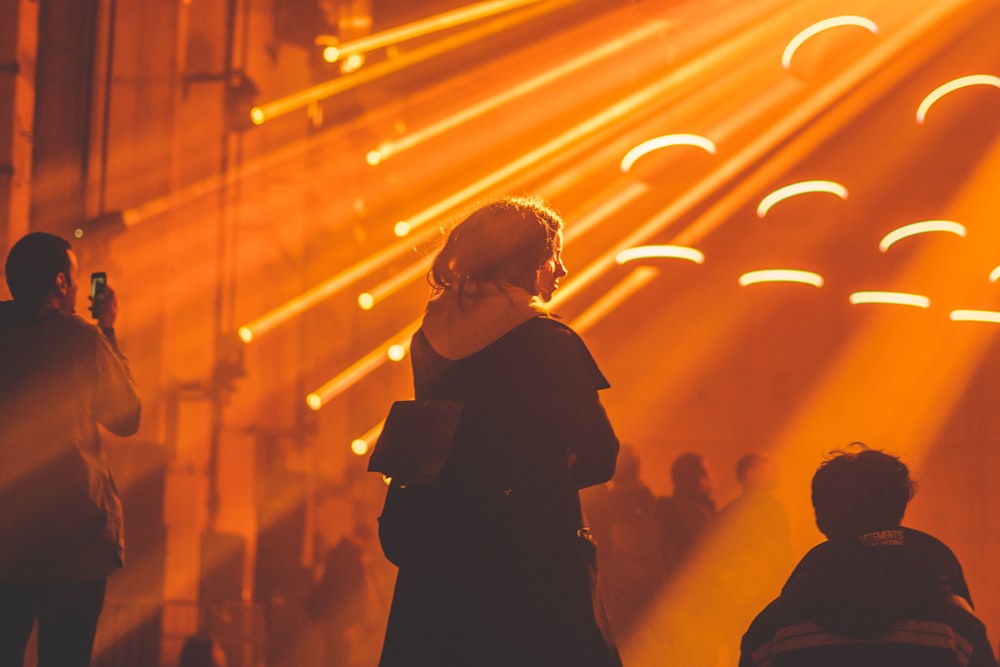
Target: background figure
[622,515]
[201,650]
[875,593]
[752,548]
[512,577]
[685,516]
[338,602]
[61,518]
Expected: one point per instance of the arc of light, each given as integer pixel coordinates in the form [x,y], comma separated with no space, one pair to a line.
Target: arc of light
[951,86]
[781,276]
[664,141]
[975,316]
[820,26]
[393,147]
[303,98]
[995,274]
[362,367]
[665,251]
[800,188]
[893,298]
[924,227]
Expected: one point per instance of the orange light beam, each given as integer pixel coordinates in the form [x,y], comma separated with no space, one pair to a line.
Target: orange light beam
[360,368]
[923,227]
[781,276]
[800,188]
[393,147]
[281,106]
[951,86]
[995,274]
[960,315]
[890,298]
[665,141]
[820,26]
[430,25]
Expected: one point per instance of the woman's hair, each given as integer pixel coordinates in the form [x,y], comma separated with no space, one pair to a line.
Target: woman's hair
[503,242]
[860,492]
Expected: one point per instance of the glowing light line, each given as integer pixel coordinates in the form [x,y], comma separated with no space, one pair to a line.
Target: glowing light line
[995,274]
[430,25]
[800,188]
[360,368]
[656,251]
[389,148]
[781,276]
[951,86]
[915,228]
[991,316]
[892,298]
[820,26]
[665,141]
[279,107]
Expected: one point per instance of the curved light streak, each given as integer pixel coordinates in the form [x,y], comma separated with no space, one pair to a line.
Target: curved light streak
[657,251]
[951,86]
[975,316]
[924,227]
[781,276]
[664,141]
[893,298]
[820,26]
[995,274]
[800,188]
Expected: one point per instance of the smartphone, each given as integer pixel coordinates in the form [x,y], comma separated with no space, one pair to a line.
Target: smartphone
[98,288]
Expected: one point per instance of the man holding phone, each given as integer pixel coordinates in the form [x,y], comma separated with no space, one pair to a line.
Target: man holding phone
[60,515]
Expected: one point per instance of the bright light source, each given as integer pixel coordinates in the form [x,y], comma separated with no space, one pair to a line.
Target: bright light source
[401,229]
[666,140]
[975,316]
[373,157]
[256,115]
[396,352]
[892,298]
[915,228]
[820,26]
[781,276]
[331,54]
[800,188]
[359,446]
[352,63]
[995,274]
[245,334]
[666,251]
[951,86]
[366,300]
[78,233]
[314,401]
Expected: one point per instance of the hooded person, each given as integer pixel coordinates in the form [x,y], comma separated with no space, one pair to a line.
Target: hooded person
[875,593]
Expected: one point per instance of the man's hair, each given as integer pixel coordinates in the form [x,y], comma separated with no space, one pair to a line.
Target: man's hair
[859,492]
[33,264]
[685,472]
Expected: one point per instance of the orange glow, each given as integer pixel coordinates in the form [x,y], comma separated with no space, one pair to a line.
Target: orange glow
[665,141]
[781,276]
[401,228]
[820,26]
[359,446]
[995,274]
[246,334]
[396,352]
[352,63]
[366,300]
[915,228]
[951,86]
[633,282]
[892,298]
[975,316]
[666,251]
[800,188]
[390,148]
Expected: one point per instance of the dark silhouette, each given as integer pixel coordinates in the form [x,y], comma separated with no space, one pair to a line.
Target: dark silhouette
[61,522]
[687,515]
[513,581]
[875,593]
[337,603]
[201,650]
[622,516]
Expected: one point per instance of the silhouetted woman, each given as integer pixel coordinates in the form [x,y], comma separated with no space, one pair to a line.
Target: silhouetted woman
[514,583]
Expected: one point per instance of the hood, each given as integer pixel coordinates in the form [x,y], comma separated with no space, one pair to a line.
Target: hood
[860,588]
[458,327]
